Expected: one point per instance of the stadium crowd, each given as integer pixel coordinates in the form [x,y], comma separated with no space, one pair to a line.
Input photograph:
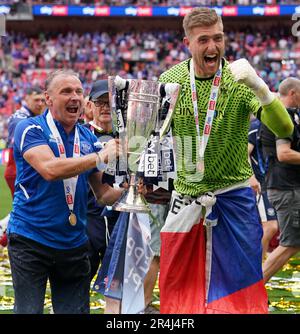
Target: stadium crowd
[25,61]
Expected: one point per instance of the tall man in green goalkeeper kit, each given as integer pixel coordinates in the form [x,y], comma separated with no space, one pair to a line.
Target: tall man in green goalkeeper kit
[211,241]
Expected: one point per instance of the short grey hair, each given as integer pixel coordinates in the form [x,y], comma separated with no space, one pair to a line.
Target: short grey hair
[57,73]
[287,85]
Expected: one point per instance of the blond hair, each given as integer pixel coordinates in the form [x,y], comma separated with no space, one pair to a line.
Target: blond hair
[200,17]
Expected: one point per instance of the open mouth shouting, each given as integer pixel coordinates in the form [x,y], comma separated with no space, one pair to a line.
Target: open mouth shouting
[211,60]
[73,109]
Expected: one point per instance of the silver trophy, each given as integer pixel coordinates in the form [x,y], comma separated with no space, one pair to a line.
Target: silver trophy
[140,109]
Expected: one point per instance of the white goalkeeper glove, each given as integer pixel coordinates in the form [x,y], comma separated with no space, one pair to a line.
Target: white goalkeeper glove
[244,73]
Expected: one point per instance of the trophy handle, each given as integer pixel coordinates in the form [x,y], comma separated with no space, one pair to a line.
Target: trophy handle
[117,105]
[172,94]
[112,102]
[116,83]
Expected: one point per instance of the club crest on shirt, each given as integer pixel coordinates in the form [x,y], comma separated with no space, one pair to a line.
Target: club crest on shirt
[85,147]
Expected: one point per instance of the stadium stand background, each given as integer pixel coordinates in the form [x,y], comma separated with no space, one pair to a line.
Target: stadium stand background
[130,46]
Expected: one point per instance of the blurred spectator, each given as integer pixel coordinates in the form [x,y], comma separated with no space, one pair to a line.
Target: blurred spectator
[3,130]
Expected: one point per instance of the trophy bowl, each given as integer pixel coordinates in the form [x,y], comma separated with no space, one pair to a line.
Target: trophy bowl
[136,111]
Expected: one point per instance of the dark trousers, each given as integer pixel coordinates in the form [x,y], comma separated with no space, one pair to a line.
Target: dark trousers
[68,271]
[97,232]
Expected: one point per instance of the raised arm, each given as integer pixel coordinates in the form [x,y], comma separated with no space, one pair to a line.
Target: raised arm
[273,115]
[51,168]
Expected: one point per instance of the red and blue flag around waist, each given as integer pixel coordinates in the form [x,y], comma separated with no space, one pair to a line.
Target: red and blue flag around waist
[215,268]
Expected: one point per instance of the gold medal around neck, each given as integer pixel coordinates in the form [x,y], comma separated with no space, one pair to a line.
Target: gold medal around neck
[72,219]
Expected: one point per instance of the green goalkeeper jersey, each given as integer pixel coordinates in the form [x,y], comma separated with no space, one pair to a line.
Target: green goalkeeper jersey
[226,154]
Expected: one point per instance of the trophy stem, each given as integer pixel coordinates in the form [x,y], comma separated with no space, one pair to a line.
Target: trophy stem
[131,200]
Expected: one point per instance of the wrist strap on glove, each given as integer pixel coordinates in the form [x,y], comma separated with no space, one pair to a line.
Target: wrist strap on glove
[263,93]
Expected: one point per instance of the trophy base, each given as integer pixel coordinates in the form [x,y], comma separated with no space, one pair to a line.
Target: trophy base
[131,201]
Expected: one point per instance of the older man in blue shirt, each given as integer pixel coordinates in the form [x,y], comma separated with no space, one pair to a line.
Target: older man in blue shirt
[55,158]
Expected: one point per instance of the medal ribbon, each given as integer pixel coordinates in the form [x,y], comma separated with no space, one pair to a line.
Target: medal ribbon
[70,183]
[202,141]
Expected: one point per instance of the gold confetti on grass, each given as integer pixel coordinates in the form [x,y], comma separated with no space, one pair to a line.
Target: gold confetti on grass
[283,290]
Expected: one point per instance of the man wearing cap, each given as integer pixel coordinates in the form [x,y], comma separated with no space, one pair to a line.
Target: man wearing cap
[100,219]
[99,227]
[33,105]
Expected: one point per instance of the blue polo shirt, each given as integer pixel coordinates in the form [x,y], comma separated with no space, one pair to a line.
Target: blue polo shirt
[40,211]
